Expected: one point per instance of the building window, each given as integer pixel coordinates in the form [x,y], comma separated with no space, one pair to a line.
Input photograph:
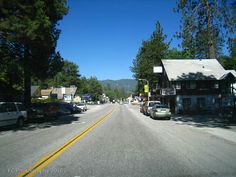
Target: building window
[203,86]
[178,85]
[191,85]
[216,85]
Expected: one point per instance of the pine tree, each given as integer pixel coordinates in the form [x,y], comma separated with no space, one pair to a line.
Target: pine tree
[150,55]
[28,29]
[206,24]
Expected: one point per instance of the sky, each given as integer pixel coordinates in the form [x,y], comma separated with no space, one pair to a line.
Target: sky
[103,36]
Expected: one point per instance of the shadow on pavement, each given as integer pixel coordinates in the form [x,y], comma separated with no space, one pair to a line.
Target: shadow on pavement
[211,121]
[32,125]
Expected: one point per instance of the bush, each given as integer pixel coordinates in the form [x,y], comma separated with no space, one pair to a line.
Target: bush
[48,100]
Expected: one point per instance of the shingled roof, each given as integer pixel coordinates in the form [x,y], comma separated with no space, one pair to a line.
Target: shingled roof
[195,69]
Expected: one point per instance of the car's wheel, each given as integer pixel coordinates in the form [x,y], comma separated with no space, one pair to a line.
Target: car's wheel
[20,122]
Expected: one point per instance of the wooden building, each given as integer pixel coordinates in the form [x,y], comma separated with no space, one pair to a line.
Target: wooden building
[196,86]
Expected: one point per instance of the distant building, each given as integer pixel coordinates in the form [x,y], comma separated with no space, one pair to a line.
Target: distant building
[46,93]
[130,99]
[77,99]
[87,97]
[195,86]
[35,91]
[65,93]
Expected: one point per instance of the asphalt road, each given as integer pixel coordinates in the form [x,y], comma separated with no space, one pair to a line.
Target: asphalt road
[123,142]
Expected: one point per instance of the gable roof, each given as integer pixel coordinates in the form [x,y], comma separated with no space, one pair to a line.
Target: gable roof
[194,69]
[46,92]
[71,90]
[233,72]
[65,90]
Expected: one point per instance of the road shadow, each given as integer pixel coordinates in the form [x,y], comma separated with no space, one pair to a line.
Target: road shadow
[210,121]
[34,124]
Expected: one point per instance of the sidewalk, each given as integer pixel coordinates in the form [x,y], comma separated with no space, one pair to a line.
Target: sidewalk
[210,123]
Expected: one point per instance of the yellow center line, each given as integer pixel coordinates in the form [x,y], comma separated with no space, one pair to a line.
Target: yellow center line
[33,170]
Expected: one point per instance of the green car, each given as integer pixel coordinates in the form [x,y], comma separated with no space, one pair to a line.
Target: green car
[160,111]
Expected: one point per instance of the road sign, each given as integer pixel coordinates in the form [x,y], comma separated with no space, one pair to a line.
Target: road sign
[157,69]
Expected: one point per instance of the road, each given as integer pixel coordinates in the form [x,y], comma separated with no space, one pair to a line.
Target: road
[114,141]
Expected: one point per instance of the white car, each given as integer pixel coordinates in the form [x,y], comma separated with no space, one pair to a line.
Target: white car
[82,106]
[12,113]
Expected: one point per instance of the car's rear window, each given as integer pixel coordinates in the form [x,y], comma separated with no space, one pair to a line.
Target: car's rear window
[153,103]
[161,106]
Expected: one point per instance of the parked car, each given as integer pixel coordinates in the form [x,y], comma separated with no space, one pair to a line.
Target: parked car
[64,109]
[12,113]
[228,112]
[75,108]
[69,108]
[43,111]
[160,111]
[82,106]
[141,109]
[148,106]
[37,111]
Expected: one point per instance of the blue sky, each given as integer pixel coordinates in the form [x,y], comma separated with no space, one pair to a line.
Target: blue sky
[103,36]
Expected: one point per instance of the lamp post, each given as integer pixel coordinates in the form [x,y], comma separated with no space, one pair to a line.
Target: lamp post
[147,84]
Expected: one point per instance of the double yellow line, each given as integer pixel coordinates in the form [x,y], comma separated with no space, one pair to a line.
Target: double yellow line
[33,170]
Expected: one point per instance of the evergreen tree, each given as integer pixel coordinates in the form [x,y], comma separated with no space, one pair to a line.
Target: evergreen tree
[95,88]
[229,62]
[83,86]
[150,55]
[69,75]
[206,26]
[177,54]
[28,29]
[90,86]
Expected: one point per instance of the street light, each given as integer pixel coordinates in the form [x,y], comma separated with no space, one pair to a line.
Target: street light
[147,84]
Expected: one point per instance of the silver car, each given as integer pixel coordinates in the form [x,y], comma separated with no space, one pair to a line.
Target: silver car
[160,111]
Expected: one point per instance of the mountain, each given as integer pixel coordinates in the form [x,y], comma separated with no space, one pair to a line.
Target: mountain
[128,85]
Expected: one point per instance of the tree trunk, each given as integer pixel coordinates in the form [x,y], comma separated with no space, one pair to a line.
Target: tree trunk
[211,47]
[27,78]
